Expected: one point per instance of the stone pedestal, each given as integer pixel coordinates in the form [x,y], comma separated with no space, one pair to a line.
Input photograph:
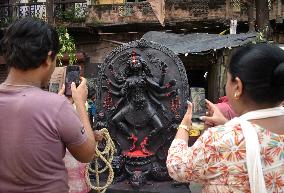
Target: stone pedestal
[153,187]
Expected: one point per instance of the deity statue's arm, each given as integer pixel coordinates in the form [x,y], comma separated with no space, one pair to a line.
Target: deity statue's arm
[116,105]
[118,102]
[154,99]
[115,93]
[157,87]
[117,86]
[161,106]
[164,72]
[168,94]
[122,92]
[112,83]
[117,77]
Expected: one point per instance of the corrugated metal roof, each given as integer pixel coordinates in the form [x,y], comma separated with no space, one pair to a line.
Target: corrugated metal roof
[199,42]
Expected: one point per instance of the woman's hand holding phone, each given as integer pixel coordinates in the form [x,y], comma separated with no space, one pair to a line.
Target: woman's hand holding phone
[213,116]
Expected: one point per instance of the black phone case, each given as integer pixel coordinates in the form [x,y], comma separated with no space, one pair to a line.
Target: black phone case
[72,75]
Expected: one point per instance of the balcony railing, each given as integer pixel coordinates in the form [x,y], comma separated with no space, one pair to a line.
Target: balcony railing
[20,10]
[129,9]
[5,15]
[72,11]
[130,12]
[77,11]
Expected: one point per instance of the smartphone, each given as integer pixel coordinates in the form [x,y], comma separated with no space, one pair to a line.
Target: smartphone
[72,75]
[199,107]
[198,101]
[57,79]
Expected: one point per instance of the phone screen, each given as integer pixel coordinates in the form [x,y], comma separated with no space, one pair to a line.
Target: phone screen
[198,101]
[199,108]
[72,75]
[57,79]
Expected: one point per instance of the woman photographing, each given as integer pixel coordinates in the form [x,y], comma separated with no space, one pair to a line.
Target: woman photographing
[245,154]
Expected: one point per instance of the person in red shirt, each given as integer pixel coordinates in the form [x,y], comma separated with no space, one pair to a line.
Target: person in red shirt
[225,107]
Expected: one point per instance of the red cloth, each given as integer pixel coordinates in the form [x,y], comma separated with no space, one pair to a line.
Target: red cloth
[225,107]
[76,174]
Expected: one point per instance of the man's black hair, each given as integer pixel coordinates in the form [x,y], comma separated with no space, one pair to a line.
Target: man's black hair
[27,41]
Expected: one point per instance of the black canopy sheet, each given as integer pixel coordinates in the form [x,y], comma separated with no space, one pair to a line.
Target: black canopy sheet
[198,42]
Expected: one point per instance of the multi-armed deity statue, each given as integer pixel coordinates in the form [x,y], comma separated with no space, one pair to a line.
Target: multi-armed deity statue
[141,97]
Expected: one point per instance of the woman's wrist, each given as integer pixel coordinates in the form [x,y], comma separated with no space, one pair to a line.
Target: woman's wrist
[222,121]
[184,127]
[187,123]
[190,130]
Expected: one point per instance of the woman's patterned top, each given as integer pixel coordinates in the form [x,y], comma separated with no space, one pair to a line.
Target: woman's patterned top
[218,160]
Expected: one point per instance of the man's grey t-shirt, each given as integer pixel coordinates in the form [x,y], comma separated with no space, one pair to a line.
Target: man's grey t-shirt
[35,128]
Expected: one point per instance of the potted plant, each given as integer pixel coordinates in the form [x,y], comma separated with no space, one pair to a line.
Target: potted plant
[68,46]
[68,50]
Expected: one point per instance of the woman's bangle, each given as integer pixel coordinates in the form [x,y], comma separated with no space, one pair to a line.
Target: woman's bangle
[191,132]
[187,128]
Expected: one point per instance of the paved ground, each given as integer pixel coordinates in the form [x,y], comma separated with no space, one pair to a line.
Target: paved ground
[153,187]
[195,188]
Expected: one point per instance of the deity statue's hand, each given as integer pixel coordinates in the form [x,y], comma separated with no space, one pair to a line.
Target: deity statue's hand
[110,67]
[144,81]
[104,77]
[173,93]
[162,107]
[172,128]
[112,109]
[124,91]
[105,88]
[153,133]
[164,67]
[172,83]
[101,124]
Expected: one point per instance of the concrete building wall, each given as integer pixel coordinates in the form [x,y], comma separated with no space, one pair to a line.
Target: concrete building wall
[104,2]
[97,48]
[97,51]
[177,11]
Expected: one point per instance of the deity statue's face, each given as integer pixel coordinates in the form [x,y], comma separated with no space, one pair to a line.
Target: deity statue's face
[136,65]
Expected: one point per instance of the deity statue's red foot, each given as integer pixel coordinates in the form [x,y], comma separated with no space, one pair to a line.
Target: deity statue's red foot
[143,145]
[135,139]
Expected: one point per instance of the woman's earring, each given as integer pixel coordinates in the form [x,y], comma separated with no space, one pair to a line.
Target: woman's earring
[236,96]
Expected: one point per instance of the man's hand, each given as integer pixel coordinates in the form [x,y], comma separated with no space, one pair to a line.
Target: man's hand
[80,93]
[62,90]
[98,135]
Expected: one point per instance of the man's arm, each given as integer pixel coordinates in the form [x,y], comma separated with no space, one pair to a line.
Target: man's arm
[86,151]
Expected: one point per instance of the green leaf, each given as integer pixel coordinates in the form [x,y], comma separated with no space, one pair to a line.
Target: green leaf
[67,46]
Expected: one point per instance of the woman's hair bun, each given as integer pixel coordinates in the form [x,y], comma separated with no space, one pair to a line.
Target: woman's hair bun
[278,75]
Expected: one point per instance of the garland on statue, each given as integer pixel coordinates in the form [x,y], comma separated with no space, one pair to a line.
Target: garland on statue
[106,156]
